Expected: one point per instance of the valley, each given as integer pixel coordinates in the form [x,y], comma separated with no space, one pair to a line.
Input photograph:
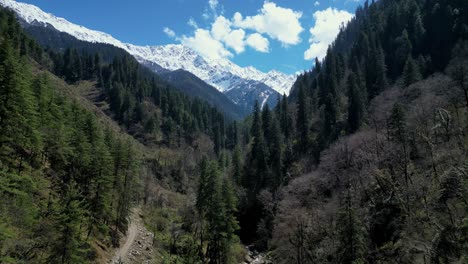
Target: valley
[118,153]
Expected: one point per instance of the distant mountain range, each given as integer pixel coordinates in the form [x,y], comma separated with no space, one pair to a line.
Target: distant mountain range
[240,85]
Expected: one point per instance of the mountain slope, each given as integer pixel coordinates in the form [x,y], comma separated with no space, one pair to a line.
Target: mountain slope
[59,41]
[370,154]
[194,86]
[222,74]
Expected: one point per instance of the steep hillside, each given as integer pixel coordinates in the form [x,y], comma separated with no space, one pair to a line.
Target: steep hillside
[55,40]
[195,87]
[80,147]
[366,162]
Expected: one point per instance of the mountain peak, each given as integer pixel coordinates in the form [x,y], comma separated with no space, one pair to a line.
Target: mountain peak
[221,73]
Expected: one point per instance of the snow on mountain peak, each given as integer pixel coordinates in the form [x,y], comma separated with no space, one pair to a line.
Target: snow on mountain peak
[221,73]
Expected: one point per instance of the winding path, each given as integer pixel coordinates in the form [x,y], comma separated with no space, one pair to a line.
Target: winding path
[137,247]
[132,232]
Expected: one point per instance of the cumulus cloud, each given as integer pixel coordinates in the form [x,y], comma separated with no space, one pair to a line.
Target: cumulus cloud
[169,32]
[235,40]
[317,3]
[323,33]
[258,42]
[222,30]
[225,37]
[277,22]
[221,27]
[204,43]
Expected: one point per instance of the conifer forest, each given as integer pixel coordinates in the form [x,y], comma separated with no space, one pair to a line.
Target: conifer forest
[365,161]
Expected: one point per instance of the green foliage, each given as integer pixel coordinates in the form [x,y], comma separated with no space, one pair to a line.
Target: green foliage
[356,104]
[61,178]
[217,206]
[411,72]
[303,120]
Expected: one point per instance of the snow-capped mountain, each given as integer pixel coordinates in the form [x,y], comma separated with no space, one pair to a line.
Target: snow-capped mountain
[222,74]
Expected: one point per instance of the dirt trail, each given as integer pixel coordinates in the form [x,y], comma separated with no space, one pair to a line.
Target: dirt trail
[138,243]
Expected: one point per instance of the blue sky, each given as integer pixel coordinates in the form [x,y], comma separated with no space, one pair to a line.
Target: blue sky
[276,34]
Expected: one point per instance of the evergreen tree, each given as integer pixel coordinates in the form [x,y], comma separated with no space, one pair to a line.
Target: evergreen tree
[411,72]
[68,249]
[215,216]
[266,123]
[403,51]
[17,118]
[417,31]
[351,248]
[285,118]
[257,166]
[356,106]
[376,72]
[237,165]
[276,155]
[230,208]
[303,120]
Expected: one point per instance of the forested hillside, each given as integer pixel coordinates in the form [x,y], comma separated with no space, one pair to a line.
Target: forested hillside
[66,178]
[85,137]
[366,161]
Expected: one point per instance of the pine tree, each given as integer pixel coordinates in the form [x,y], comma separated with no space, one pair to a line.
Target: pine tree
[356,106]
[237,165]
[215,216]
[285,118]
[68,249]
[257,166]
[317,65]
[202,194]
[417,30]
[266,123]
[17,118]
[411,72]
[231,225]
[376,79]
[329,100]
[351,233]
[100,193]
[276,155]
[303,120]
[403,50]
[230,204]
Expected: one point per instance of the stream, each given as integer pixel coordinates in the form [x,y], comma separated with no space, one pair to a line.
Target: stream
[254,257]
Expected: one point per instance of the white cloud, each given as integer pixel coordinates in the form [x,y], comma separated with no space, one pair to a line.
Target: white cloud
[169,32]
[221,30]
[211,10]
[213,4]
[323,33]
[277,22]
[317,3]
[258,42]
[204,43]
[192,23]
[226,37]
[235,40]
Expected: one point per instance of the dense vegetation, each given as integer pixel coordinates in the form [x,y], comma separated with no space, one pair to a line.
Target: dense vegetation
[65,178]
[70,172]
[365,162]
[139,100]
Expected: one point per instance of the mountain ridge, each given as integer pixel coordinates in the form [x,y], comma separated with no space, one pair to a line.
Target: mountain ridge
[221,74]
